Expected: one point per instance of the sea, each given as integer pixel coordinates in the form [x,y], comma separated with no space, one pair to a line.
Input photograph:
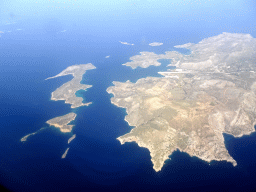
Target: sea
[40,47]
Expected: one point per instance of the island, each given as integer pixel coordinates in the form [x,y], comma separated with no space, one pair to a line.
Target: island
[212,91]
[25,138]
[62,122]
[71,138]
[146,59]
[68,90]
[65,153]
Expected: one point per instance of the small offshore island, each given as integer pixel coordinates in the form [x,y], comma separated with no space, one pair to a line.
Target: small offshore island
[68,90]
[62,122]
[65,153]
[71,138]
[212,91]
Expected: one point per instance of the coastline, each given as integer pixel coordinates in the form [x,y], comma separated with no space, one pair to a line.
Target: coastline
[62,122]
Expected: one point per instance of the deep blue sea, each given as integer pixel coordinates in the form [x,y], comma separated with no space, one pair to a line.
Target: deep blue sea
[96,161]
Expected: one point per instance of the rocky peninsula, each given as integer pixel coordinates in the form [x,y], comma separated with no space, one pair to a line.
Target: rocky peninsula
[212,91]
